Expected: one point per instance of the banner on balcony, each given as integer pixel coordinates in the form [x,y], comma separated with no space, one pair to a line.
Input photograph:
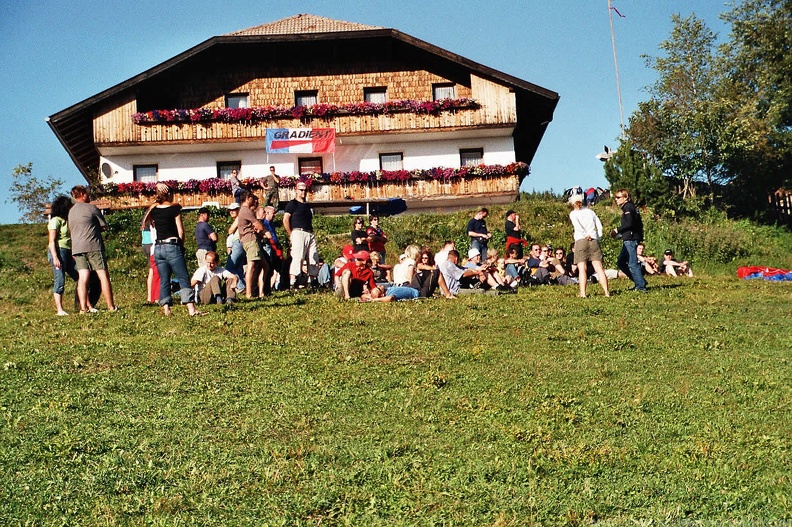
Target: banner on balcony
[300,140]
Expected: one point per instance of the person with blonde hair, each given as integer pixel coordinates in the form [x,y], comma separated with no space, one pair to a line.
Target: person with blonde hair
[587,233]
[169,250]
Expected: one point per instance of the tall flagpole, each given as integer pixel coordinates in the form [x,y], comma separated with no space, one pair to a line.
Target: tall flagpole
[616,64]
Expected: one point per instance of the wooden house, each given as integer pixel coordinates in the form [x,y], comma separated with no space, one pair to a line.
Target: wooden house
[408,119]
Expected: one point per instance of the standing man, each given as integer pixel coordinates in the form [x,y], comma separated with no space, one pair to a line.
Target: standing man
[86,225]
[249,231]
[477,230]
[271,186]
[514,234]
[298,223]
[205,236]
[375,237]
[631,231]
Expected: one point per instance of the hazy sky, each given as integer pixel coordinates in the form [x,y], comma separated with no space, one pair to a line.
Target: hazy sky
[56,54]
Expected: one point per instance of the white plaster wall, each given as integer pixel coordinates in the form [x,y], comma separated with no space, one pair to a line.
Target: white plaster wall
[182,166]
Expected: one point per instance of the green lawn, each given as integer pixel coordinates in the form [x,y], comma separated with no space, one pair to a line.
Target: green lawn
[532,408]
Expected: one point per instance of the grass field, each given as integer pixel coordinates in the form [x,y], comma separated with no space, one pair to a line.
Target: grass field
[531,409]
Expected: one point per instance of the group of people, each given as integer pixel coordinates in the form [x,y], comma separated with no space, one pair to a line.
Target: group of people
[257,263]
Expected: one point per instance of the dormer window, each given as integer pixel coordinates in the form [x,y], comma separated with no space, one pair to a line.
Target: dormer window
[306,97]
[237,100]
[377,95]
[444,90]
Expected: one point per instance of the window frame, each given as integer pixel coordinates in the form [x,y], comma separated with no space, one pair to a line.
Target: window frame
[229,165]
[301,160]
[443,86]
[478,151]
[392,154]
[375,90]
[136,176]
[306,93]
[240,96]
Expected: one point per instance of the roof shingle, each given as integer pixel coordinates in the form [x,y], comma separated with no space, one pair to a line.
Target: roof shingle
[303,23]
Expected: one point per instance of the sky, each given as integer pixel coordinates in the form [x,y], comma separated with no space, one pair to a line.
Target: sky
[56,54]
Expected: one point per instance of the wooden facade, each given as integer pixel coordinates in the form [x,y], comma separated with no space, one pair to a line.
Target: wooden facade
[336,60]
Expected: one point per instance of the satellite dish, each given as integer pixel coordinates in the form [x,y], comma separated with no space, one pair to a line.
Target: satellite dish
[107,170]
[604,156]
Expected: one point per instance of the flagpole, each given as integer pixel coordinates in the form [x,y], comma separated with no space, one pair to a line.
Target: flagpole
[616,65]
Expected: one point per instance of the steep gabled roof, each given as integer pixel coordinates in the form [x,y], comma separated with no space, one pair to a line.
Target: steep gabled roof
[302,24]
[74,125]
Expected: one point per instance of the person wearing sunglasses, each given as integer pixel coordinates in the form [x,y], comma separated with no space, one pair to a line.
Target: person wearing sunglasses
[631,232]
[298,224]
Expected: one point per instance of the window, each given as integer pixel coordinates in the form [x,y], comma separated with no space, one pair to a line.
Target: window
[237,100]
[306,98]
[310,165]
[393,161]
[375,95]
[224,168]
[443,91]
[145,173]
[470,157]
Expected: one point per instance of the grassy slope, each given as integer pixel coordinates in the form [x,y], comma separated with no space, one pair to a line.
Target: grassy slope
[537,408]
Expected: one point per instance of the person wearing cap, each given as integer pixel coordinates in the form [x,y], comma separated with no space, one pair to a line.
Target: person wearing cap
[357,278]
[514,234]
[674,268]
[347,253]
[631,232]
[205,236]
[477,230]
[235,263]
[298,223]
[587,233]
[459,279]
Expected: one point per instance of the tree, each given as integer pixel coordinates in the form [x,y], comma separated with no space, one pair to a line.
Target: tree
[31,194]
[679,127]
[630,169]
[758,65]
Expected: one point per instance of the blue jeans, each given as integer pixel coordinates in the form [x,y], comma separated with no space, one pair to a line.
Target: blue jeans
[67,268]
[402,293]
[629,264]
[481,247]
[170,259]
[236,263]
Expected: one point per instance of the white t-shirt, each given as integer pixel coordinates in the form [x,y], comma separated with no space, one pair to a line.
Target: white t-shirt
[586,223]
[401,271]
[203,275]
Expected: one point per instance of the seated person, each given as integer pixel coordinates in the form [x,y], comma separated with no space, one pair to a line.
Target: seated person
[514,263]
[303,280]
[459,279]
[382,272]
[404,271]
[674,268]
[323,277]
[339,263]
[494,277]
[427,276]
[648,263]
[357,278]
[214,285]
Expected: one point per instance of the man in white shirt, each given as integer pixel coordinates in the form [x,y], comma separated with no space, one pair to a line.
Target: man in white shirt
[214,285]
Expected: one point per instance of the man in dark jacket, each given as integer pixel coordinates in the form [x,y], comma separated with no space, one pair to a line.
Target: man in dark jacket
[631,231]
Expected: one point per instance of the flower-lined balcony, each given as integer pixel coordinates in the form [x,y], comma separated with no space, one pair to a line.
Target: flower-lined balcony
[125,125]
[420,184]
[317,111]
